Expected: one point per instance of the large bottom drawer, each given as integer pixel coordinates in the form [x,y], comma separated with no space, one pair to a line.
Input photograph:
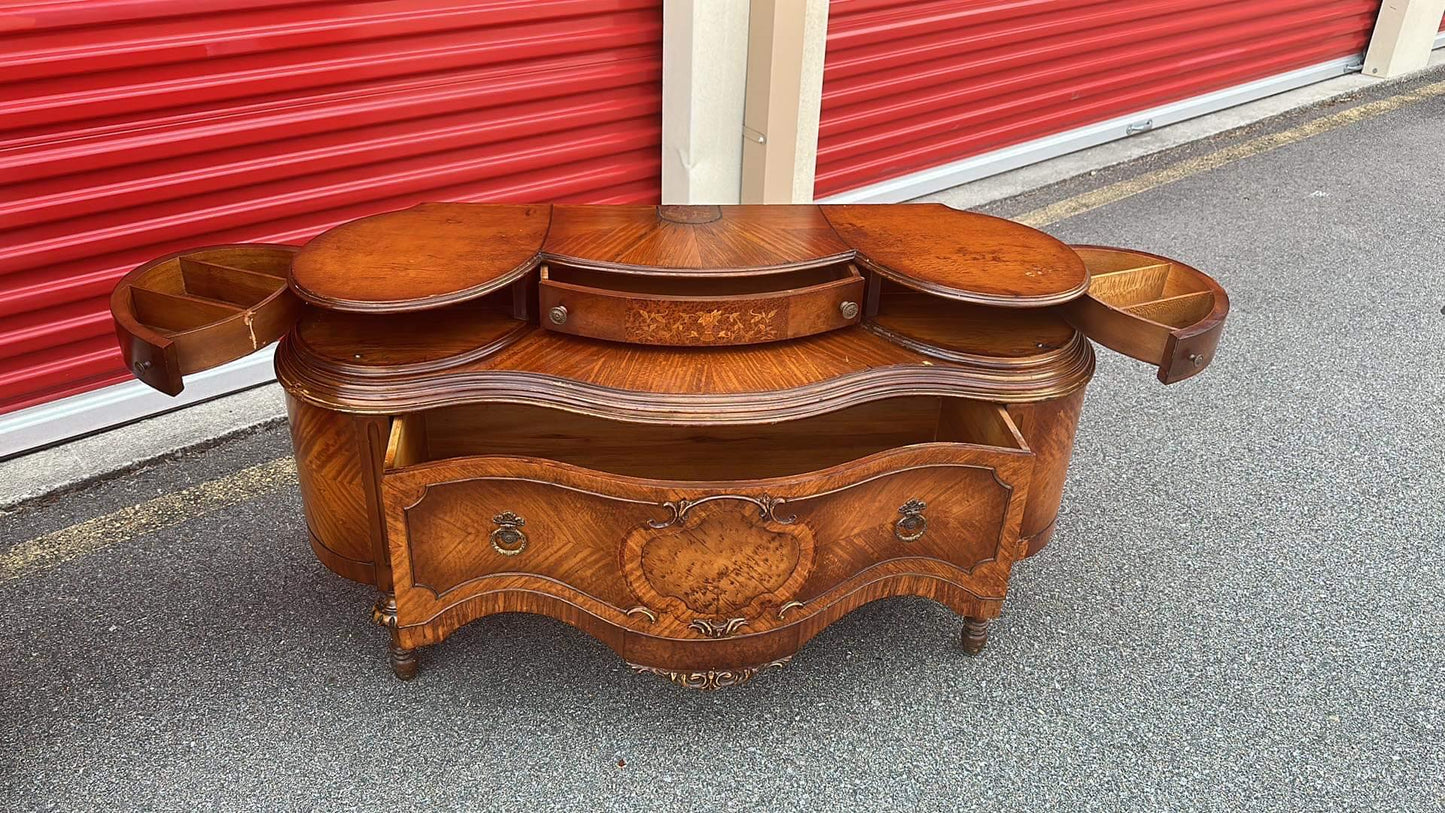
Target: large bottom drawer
[702,559]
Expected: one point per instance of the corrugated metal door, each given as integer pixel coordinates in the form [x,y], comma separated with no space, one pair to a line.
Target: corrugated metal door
[909,85]
[132,128]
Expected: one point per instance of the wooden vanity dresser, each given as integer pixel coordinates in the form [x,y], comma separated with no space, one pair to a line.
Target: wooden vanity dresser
[700,434]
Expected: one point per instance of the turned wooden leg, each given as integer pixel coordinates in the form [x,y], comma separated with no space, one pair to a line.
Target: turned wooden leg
[403,660]
[975,634]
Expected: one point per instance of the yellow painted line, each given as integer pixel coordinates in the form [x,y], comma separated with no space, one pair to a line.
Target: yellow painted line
[1113,193]
[48,550]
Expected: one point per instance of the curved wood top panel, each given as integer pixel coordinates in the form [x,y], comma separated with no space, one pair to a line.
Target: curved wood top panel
[961,255]
[438,254]
[427,256]
[713,240]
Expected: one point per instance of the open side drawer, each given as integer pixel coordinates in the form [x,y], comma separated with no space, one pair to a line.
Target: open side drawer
[697,310]
[201,308]
[1151,308]
[707,546]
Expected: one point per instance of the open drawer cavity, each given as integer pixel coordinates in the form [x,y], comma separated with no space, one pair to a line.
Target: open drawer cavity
[697,533]
[202,308]
[1150,308]
[682,309]
[965,332]
[698,453]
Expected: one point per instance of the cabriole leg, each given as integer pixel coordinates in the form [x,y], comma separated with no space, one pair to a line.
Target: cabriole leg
[975,634]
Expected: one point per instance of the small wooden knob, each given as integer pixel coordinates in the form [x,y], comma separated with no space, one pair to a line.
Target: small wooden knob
[558,315]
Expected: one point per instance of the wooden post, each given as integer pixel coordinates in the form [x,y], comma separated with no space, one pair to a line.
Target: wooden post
[786,40]
[704,73]
[1404,34]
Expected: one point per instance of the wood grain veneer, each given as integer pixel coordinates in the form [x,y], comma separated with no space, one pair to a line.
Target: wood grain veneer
[705,240]
[961,255]
[709,312]
[701,492]
[434,254]
[778,577]
[712,385]
[429,255]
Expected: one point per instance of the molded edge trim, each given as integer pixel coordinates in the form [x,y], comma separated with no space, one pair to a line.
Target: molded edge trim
[537,389]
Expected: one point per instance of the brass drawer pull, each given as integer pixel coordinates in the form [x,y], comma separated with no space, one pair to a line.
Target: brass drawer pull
[558,314]
[509,539]
[911,526]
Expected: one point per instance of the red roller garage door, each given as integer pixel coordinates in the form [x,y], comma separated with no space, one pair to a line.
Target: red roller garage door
[912,85]
[132,128]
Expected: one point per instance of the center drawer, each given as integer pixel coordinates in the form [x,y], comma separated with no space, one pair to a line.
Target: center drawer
[697,551]
[697,310]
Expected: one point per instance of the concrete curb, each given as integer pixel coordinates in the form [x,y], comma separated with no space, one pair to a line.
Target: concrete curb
[48,473]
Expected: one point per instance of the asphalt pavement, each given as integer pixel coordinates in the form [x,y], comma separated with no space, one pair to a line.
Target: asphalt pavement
[1243,607]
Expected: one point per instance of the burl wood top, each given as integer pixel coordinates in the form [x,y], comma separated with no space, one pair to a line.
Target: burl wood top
[438,254]
[961,255]
[427,256]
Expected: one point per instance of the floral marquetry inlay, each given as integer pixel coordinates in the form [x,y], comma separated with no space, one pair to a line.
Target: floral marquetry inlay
[712,326]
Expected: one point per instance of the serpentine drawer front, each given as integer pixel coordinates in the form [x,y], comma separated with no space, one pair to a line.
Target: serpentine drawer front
[689,561]
[701,434]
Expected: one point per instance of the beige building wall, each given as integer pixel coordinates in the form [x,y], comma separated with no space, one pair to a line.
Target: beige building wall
[742,90]
[704,81]
[1404,34]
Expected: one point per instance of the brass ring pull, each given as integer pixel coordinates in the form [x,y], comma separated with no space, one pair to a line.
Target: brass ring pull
[913,524]
[509,539]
